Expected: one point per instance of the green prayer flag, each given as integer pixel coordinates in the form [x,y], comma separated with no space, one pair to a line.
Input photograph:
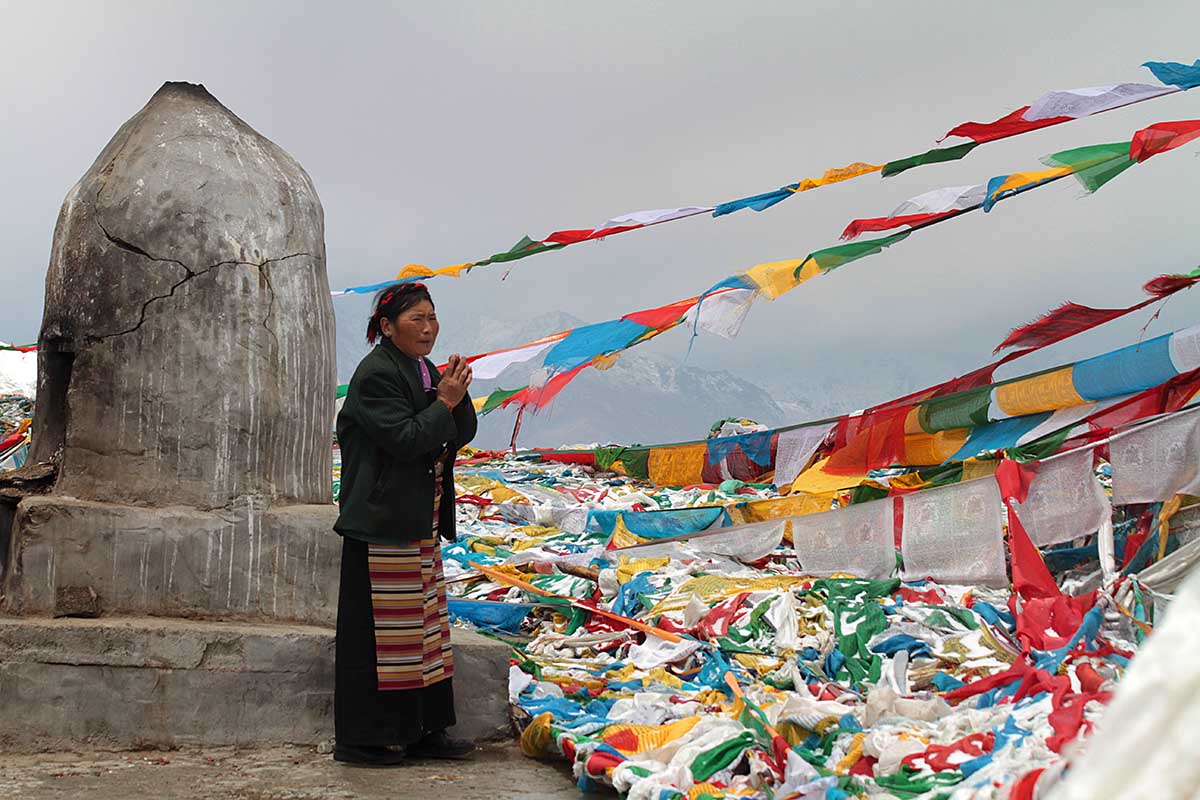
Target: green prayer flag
[864,493]
[934,156]
[1041,447]
[833,257]
[637,462]
[607,456]
[755,721]
[942,474]
[1089,155]
[1092,178]
[523,248]
[712,761]
[635,459]
[959,410]
[496,398]
[1093,165]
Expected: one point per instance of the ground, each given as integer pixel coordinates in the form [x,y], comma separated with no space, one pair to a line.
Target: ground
[277,773]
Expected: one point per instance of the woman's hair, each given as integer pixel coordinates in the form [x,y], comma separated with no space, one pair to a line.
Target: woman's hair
[391,303]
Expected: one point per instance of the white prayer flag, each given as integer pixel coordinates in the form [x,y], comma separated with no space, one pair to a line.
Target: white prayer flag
[858,539]
[1156,461]
[954,534]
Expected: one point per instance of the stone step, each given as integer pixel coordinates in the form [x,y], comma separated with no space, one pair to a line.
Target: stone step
[158,682]
[244,561]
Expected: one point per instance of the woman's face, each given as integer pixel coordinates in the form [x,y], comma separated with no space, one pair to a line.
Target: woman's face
[414,331]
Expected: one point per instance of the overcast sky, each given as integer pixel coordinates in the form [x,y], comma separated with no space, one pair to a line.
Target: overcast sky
[438,133]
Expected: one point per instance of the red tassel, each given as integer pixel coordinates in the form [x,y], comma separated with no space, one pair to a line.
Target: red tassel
[1167,285]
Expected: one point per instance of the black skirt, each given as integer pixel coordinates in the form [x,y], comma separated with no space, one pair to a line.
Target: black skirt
[363,715]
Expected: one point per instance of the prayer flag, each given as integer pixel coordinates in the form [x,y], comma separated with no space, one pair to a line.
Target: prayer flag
[1173,73]
[937,155]
[1161,137]
[1009,125]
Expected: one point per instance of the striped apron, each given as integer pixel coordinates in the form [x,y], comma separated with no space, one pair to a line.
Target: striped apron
[408,603]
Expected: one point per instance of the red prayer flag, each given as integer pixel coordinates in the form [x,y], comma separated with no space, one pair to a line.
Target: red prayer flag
[1056,325]
[1047,623]
[1071,318]
[1008,125]
[538,397]
[1067,718]
[1167,285]
[1023,789]
[875,440]
[576,236]
[860,226]
[1030,576]
[1163,136]
[663,316]
[587,459]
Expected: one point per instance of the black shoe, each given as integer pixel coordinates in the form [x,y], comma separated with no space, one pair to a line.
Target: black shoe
[368,756]
[441,745]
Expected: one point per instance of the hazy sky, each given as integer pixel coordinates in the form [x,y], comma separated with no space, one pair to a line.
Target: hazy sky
[438,133]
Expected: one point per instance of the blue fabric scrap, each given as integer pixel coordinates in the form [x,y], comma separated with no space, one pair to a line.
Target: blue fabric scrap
[659,524]
[945,682]
[995,616]
[756,446]
[1173,73]
[586,342]
[490,615]
[902,641]
[628,599]
[758,202]
[1130,369]
[998,435]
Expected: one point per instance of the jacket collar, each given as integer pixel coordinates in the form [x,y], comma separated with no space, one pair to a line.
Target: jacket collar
[409,369]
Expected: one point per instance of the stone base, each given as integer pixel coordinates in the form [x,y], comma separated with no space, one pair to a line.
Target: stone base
[241,562]
[145,682]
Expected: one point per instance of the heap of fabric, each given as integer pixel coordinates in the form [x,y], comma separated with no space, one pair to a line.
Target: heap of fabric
[952,641]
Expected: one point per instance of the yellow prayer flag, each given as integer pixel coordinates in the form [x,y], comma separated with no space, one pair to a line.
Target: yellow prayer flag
[978,468]
[604,362]
[928,449]
[815,480]
[774,278]
[630,567]
[911,482]
[1019,179]
[793,505]
[839,174]
[677,466]
[648,737]
[1048,392]
[622,536]
[422,271]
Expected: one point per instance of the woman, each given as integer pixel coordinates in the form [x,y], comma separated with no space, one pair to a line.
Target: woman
[399,428]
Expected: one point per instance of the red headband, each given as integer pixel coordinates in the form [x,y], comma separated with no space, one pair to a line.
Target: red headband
[390,294]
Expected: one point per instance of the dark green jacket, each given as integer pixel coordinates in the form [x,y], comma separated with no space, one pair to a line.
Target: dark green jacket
[391,434]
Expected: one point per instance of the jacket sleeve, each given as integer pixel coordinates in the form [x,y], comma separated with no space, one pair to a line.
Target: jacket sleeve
[466,421]
[387,416]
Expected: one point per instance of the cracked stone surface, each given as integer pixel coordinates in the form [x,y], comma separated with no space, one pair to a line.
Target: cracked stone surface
[187,347]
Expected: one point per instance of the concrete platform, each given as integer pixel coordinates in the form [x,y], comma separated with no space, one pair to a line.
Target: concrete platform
[147,682]
[281,772]
[244,561]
